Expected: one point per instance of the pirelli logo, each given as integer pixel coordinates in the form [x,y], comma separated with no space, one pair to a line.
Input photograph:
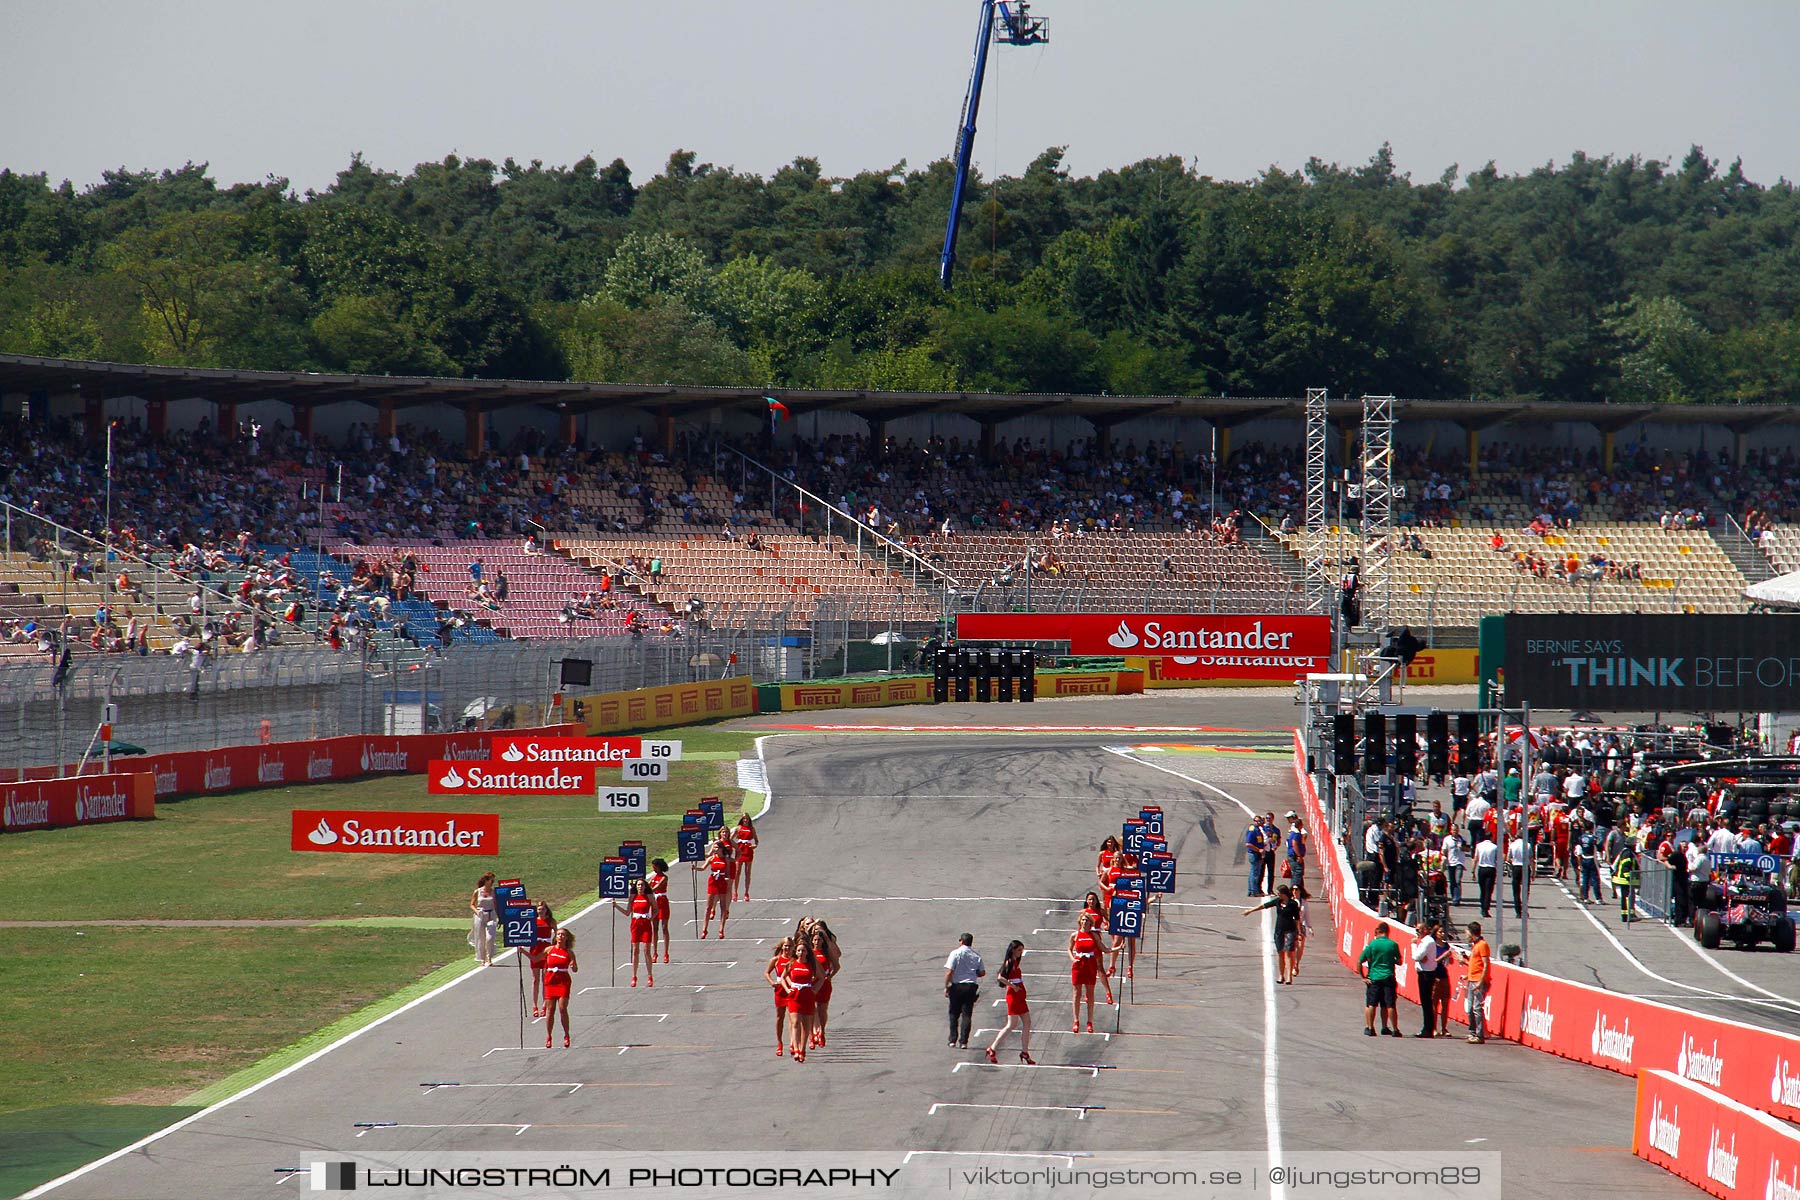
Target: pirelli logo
[1098,685]
[826,697]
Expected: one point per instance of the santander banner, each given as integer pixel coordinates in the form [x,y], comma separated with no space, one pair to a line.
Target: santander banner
[342,832]
[83,800]
[444,778]
[1717,1145]
[531,750]
[1199,645]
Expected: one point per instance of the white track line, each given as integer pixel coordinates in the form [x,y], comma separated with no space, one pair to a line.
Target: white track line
[1038,1033]
[1067,1159]
[517,1129]
[1271,1050]
[1093,1072]
[1080,1111]
[164,1132]
[1783,1005]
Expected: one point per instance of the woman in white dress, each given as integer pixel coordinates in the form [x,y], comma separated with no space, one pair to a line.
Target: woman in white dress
[482,925]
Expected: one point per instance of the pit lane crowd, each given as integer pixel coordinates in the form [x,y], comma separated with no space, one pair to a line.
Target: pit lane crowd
[1584,821]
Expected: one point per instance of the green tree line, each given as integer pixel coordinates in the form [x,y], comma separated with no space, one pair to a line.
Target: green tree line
[1598,278]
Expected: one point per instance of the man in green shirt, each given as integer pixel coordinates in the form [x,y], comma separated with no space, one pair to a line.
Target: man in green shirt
[1379,958]
[1510,787]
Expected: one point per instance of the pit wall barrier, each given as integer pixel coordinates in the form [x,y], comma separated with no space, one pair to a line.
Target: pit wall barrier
[1713,1142]
[275,764]
[1756,1067]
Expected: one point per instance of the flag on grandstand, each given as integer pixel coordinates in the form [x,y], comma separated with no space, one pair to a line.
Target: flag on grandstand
[778,412]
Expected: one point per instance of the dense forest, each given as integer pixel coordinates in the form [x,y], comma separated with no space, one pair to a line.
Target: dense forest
[1600,278]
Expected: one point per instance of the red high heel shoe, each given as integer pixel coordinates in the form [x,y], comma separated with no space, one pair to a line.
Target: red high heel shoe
[652,982]
[780,1049]
[546,1041]
[1074,1026]
[634,981]
[565,1041]
[1027,1059]
[1090,1027]
[665,956]
[990,1055]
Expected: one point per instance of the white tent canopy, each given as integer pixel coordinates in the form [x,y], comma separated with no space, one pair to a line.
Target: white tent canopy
[1783,591]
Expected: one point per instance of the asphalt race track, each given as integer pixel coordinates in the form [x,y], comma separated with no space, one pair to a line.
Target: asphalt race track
[902,840]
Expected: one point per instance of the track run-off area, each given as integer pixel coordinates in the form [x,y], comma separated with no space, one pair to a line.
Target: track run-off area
[904,828]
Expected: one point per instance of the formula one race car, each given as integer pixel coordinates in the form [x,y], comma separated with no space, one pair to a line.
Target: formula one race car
[1744,905]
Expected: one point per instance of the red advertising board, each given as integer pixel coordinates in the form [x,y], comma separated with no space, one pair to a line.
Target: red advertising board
[83,800]
[532,748]
[352,832]
[444,778]
[1716,1144]
[1209,644]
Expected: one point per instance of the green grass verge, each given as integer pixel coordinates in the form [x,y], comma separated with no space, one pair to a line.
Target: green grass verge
[109,1033]
[39,1144]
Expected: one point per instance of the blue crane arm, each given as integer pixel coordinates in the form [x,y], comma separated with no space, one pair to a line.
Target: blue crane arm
[965,139]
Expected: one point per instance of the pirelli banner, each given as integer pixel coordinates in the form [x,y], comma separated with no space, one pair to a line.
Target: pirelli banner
[871,693]
[1194,646]
[1745,663]
[677,704]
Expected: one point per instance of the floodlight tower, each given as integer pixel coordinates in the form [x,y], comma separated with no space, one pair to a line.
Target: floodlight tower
[1010,23]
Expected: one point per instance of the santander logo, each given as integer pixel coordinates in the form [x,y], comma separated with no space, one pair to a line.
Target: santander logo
[383,760]
[1538,1022]
[1699,1065]
[1783,1184]
[1721,1159]
[450,779]
[166,782]
[27,812]
[270,770]
[319,766]
[1665,1132]
[217,777]
[1785,1087]
[1616,1044]
[1123,638]
[323,835]
[513,754]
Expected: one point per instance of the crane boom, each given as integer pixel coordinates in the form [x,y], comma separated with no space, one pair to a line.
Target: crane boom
[1017,28]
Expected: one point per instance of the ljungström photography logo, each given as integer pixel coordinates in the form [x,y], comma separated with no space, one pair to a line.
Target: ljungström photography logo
[334,1177]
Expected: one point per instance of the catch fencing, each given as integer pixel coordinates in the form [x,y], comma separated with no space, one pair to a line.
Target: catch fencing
[166,703]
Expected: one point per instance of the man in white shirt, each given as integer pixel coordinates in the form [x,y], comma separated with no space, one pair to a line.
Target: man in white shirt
[1478,810]
[1487,870]
[1460,787]
[962,971]
[1515,860]
[1575,787]
[1722,841]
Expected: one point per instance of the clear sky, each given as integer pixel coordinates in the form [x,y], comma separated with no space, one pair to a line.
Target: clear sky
[259,88]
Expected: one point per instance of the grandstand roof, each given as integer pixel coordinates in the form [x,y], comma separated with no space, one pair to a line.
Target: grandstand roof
[306,389]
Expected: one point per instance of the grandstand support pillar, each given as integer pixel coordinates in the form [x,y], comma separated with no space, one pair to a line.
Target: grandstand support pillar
[1606,452]
[93,415]
[384,419]
[1739,444]
[225,424]
[1224,443]
[1102,438]
[566,429]
[665,431]
[1349,447]
[987,441]
[303,420]
[156,417]
[877,437]
[474,430]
